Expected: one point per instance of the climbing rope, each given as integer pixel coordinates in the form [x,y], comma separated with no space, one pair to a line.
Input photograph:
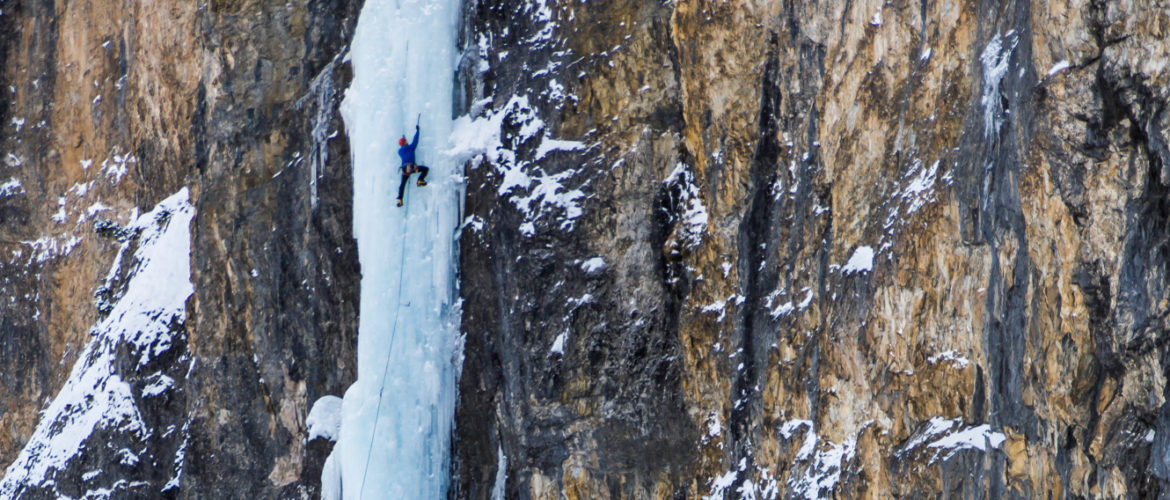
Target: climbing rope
[390,348]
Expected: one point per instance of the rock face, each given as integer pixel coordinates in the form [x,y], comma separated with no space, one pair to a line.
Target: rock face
[713,249]
[108,108]
[806,249]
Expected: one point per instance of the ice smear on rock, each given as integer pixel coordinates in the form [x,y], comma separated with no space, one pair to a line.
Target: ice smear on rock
[995,58]
[396,418]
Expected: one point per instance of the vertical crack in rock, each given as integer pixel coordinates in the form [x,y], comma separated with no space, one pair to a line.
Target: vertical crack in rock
[755,271]
[986,184]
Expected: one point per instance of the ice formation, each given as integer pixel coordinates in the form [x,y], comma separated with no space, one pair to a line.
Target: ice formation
[396,418]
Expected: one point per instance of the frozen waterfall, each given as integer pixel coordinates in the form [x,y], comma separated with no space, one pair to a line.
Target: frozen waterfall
[396,419]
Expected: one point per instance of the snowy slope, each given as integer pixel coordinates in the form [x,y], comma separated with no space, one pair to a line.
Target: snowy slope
[101,410]
[396,418]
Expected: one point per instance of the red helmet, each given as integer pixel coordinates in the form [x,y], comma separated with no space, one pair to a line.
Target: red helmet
[402,141]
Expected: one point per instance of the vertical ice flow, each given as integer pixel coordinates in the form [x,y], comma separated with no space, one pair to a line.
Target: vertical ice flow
[396,418]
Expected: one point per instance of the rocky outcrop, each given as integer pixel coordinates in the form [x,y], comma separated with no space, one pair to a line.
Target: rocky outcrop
[108,108]
[793,249]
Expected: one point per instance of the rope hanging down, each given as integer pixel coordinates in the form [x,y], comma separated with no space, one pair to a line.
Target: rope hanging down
[390,349]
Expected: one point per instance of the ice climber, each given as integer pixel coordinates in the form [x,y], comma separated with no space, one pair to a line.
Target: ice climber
[406,152]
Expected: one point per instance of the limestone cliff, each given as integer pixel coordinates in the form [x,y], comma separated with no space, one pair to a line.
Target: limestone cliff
[872,248]
[107,109]
[808,249]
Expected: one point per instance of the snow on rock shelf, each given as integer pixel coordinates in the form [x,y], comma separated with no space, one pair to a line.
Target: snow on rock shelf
[860,262]
[324,419]
[945,437]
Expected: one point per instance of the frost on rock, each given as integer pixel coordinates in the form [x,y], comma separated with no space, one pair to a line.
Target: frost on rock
[101,398]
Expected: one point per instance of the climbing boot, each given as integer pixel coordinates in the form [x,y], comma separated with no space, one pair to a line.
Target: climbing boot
[421,183]
[400,202]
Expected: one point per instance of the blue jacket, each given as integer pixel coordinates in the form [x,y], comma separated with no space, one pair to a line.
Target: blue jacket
[407,152]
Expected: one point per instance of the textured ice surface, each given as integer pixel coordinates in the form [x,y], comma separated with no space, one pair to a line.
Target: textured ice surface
[396,418]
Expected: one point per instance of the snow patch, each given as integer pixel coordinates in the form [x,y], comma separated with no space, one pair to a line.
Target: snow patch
[558,345]
[788,307]
[821,467]
[594,265]
[952,356]
[920,188]
[533,191]
[10,188]
[159,385]
[860,262]
[549,145]
[979,438]
[1058,67]
[720,483]
[59,215]
[684,194]
[324,419]
[117,165]
[714,427]
[945,437]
